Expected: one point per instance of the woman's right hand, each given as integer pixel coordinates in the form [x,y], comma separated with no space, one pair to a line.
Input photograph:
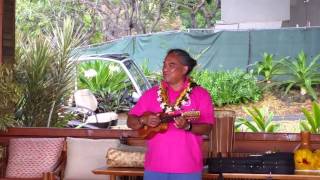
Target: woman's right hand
[150,119]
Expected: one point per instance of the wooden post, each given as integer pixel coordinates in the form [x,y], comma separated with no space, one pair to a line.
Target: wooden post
[1,23]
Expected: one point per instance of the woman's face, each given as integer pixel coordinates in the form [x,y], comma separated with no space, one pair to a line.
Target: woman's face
[173,70]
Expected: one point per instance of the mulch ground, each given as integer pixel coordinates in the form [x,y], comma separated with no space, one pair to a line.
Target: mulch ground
[276,102]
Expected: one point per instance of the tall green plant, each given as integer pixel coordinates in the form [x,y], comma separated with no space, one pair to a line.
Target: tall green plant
[268,67]
[33,73]
[10,93]
[262,120]
[45,72]
[301,74]
[63,41]
[312,122]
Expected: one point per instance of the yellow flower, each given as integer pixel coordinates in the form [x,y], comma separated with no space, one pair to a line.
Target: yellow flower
[304,159]
[316,155]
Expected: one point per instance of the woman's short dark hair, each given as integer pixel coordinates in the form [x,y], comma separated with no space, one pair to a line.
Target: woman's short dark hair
[186,59]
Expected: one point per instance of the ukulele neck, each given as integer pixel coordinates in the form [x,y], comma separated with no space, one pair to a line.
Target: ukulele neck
[165,118]
[188,115]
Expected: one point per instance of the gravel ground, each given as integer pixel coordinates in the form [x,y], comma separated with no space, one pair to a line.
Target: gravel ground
[289,127]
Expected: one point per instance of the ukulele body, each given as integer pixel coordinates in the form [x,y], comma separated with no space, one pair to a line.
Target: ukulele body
[146,132]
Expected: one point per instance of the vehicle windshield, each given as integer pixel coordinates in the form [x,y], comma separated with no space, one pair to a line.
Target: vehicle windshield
[137,75]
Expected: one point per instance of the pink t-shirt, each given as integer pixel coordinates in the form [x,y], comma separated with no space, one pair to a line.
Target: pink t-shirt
[176,150]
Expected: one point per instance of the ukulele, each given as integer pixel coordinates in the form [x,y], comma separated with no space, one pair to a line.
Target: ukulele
[147,132]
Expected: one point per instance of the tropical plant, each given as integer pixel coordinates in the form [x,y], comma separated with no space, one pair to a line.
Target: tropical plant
[32,73]
[45,73]
[105,77]
[106,80]
[229,87]
[261,120]
[298,73]
[312,122]
[268,67]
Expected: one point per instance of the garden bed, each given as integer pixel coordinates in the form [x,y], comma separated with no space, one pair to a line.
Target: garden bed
[286,109]
[279,106]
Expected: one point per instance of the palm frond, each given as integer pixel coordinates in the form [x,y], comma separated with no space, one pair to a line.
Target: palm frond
[316,114]
[305,126]
[248,124]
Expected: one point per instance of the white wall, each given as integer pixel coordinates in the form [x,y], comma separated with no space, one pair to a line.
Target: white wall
[237,11]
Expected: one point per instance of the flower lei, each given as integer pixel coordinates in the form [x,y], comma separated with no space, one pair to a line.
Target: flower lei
[183,98]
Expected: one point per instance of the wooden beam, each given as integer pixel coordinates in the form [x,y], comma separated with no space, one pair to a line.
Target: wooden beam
[245,142]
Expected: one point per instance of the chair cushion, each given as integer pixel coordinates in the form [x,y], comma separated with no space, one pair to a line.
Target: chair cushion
[30,157]
[85,155]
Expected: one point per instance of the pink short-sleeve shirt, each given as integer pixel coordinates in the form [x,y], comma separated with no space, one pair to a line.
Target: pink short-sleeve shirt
[176,150]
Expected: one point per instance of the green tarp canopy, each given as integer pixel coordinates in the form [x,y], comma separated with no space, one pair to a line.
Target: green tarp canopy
[217,51]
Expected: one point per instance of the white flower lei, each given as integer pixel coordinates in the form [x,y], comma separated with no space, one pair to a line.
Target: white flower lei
[183,99]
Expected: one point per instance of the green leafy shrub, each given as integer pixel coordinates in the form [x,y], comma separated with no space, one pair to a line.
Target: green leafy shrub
[262,120]
[300,74]
[268,67]
[312,122]
[10,94]
[230,87]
